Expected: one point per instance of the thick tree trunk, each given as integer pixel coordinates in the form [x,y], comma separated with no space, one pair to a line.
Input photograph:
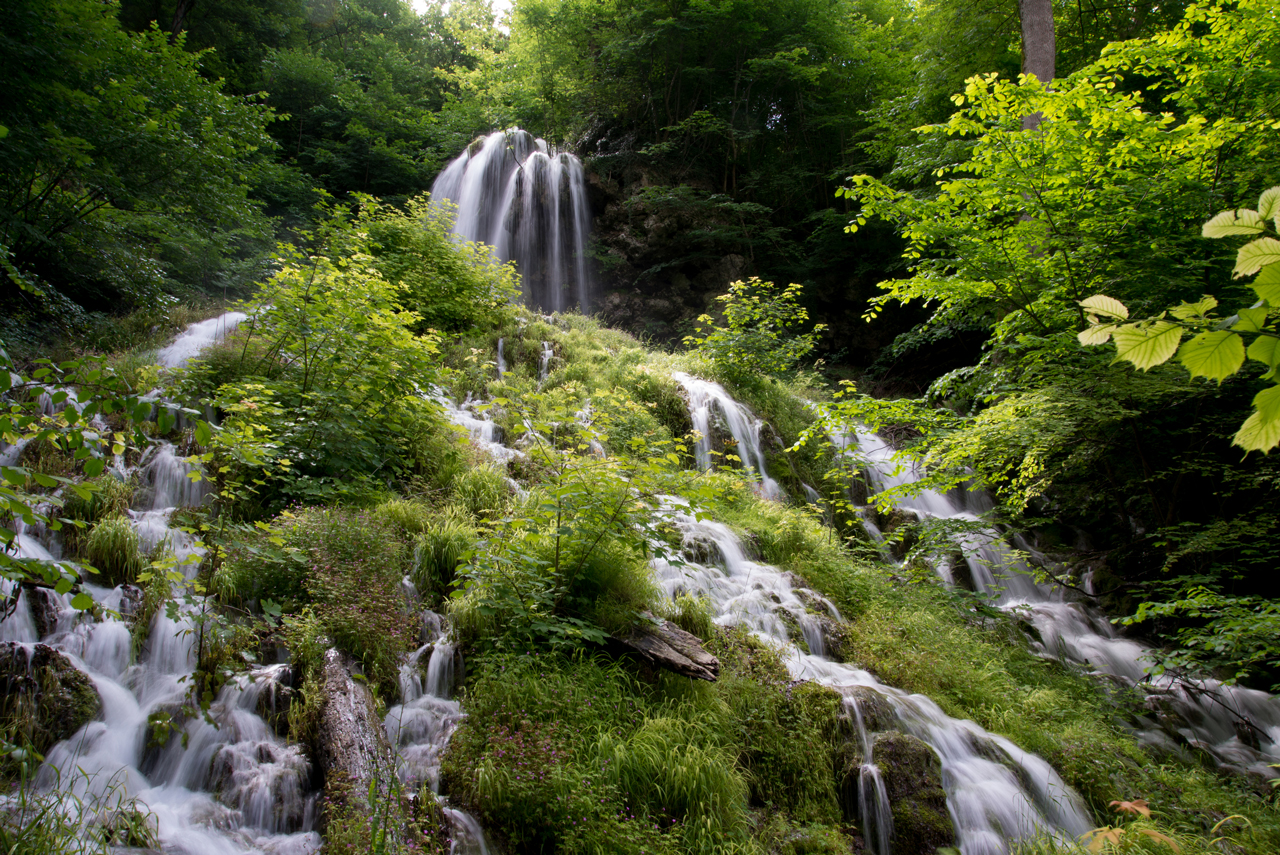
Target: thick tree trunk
[1038,47]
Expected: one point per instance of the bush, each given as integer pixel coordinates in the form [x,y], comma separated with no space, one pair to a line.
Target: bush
[438,551]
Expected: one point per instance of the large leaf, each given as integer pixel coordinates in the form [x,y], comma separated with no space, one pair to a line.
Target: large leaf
[1100,334]
[1147,347]
[1268,284]
[1109,307]
[1261,431]
[1241,222]
[1216,355]
[1187,311]
[1251,320]
[1269,205]
[1256,254]
[1266,349]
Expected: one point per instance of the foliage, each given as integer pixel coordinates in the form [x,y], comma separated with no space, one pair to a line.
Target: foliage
[112,548]
[123,172]
[1218,351]
[760,333]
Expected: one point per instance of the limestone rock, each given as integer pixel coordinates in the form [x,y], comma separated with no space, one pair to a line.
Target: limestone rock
[912,777]
[664,645]
[44,693]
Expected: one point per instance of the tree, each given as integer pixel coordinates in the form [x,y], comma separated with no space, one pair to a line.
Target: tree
[123,172]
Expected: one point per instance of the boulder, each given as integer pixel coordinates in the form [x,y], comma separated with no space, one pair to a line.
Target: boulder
[662,644]
[45,607]
[44,693]
[912,775]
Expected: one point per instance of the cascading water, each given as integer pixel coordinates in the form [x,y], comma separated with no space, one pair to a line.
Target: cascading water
[996,792]
[709,400]
[262,804]
[1239,727]
[529,203]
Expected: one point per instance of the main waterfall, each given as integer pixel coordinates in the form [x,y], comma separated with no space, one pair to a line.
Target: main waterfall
[529,202]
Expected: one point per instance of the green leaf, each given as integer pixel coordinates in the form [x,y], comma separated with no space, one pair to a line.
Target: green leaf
[1101,304]
[82,602]
[44,480]
[1267,285]
[1187,311]
[94,466]
[1269,204]
[1100,334]
[1216,355]
[203,432]
[1261,431]
[1251,320]
[1241,222]
[1147,347]
[1266,349]
[64,586]
[1255,255]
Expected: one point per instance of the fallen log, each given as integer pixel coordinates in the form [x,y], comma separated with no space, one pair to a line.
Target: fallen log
[662,644]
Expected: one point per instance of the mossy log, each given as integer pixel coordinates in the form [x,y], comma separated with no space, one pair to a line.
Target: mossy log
[662,644]
[352,747]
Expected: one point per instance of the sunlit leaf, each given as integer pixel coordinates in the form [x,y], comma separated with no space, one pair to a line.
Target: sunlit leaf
[1256,254]
[1187,311]
[1265,349]
[1251,320]
[1267,285]
[82,602]
[1216,355]
[1147,347]
[1241,222]
[1269,204]
[1100,334]
[1261,431]
[1101,304]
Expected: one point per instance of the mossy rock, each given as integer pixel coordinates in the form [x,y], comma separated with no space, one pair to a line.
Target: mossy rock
[912,776]
[822,705]
[878,713]
[44,695]
[904,524]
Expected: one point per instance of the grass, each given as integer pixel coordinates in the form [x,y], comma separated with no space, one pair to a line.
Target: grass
[113,548]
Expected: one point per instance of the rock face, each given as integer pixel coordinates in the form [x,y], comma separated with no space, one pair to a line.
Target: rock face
[664,645]
[913,780]
[44,693]
[352,747]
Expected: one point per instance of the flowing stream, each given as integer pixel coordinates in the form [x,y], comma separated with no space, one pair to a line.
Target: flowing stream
[1239,728]
[528,202]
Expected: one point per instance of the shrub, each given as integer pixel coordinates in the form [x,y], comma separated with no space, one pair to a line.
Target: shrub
[482,491]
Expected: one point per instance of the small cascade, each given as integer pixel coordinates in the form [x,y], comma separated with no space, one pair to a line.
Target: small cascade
[1239,727]
[996,793]
[419,727]
[502,362]
[483,431]
[708,401]
[528,202]
[197,337]
[544,362]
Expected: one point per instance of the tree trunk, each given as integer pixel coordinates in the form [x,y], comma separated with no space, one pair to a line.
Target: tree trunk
[1038,48]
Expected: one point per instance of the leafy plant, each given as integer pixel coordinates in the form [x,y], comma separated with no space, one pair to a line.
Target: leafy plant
[1217,350]
[761,330]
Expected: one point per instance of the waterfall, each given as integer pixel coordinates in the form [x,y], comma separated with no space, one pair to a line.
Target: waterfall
[528,202]
[1239,727]
[996,792]
[709,400]
[197,337]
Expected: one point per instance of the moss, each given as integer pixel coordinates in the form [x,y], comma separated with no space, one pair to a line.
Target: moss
[912,777]
[44,698]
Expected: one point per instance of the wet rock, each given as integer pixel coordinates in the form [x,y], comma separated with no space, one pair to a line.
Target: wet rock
[961,572]
[132,600]
[352,747]
[44,694]
[274,702]
[662,644]
[45,607]
[901,529]
[912,777]
[877,713]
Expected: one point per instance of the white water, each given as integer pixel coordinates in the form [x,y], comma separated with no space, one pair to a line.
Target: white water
[479,426]
[530,205]
[709,401]
[419,727]
[544,362]
[992,802]
[502,362]
[261,805]
[1239,727]
[197,337]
